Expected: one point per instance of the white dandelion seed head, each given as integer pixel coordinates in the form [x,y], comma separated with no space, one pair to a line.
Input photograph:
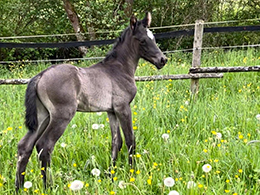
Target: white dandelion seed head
[63,145]
[187,103]
[145,151]
[258,117]
[95,172]
[169,182]
[99,113]
[165,136]
[27,184]
[191,184]
[206,168]
[95,126]
[101,126]
[173,192]
[76,185]
[73,126]
[218,135]
[122,185]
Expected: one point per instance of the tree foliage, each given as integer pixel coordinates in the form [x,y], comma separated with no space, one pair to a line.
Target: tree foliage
[27,17]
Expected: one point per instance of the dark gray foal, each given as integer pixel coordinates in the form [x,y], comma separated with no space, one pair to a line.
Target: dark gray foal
[56,94]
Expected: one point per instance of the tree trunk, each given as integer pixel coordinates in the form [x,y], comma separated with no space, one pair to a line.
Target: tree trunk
[129,9]
[75,22]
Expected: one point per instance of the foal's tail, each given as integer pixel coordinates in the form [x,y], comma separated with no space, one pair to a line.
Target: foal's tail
[31,120]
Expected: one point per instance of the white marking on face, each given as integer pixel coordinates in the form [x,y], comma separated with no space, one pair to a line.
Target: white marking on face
[150,34]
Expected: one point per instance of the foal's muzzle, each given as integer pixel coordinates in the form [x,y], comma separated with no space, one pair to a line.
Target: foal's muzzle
[161,62]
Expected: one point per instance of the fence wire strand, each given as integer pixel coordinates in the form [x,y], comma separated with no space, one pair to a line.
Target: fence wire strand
[116,31]
[101,58]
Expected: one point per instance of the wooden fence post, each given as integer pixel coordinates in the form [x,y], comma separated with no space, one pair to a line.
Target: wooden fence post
[196,57]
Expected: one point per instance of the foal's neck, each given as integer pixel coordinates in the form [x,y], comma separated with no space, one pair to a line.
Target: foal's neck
[128,56]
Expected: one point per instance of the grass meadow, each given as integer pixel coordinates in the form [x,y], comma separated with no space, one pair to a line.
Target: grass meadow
[176,135]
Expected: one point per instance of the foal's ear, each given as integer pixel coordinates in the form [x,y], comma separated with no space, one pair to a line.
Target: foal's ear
[147,19]
[133,21]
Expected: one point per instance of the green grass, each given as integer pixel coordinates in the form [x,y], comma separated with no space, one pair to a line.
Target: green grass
[228,106]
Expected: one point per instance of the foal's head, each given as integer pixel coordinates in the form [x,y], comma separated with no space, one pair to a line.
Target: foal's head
[145,40]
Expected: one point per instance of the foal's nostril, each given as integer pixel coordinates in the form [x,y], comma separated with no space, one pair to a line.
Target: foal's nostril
[164,60]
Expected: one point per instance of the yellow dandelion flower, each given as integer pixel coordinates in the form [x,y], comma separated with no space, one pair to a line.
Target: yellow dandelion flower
[240,170]
[227,191]
[216,160]
[240,136]
[20,127]
[99,181]
[135,127]
[135,113]
[155,164]
[217,172]
[219,145]
[112,172]
[245,140]
[42,168]
[235,193]
[23,173]
[25,189]
[227,181]
[9,128]
[132,179]
[86,185]
[214,132]
[206,140]
[149,181]
[74,165]
[200,186]
[114,178]
[132,170]
[138,155]
[1,185]
[245,59]
[112,192]
[138,172]
[205,150]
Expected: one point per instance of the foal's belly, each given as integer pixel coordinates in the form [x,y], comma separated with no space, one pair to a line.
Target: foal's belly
[97,103]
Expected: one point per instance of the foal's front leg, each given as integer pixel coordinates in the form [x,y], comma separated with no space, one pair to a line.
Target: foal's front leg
[124,115]
[116,135]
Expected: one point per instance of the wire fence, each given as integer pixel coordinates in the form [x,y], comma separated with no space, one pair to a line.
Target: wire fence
[171,34]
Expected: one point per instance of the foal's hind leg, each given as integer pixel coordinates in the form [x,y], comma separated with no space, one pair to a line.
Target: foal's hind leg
[56,127]
[25,147]
[116,135]
[26,144]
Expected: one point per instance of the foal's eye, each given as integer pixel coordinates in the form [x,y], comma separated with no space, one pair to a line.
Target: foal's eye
[143,42]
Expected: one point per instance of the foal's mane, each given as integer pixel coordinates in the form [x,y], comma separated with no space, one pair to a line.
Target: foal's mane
[112,53]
